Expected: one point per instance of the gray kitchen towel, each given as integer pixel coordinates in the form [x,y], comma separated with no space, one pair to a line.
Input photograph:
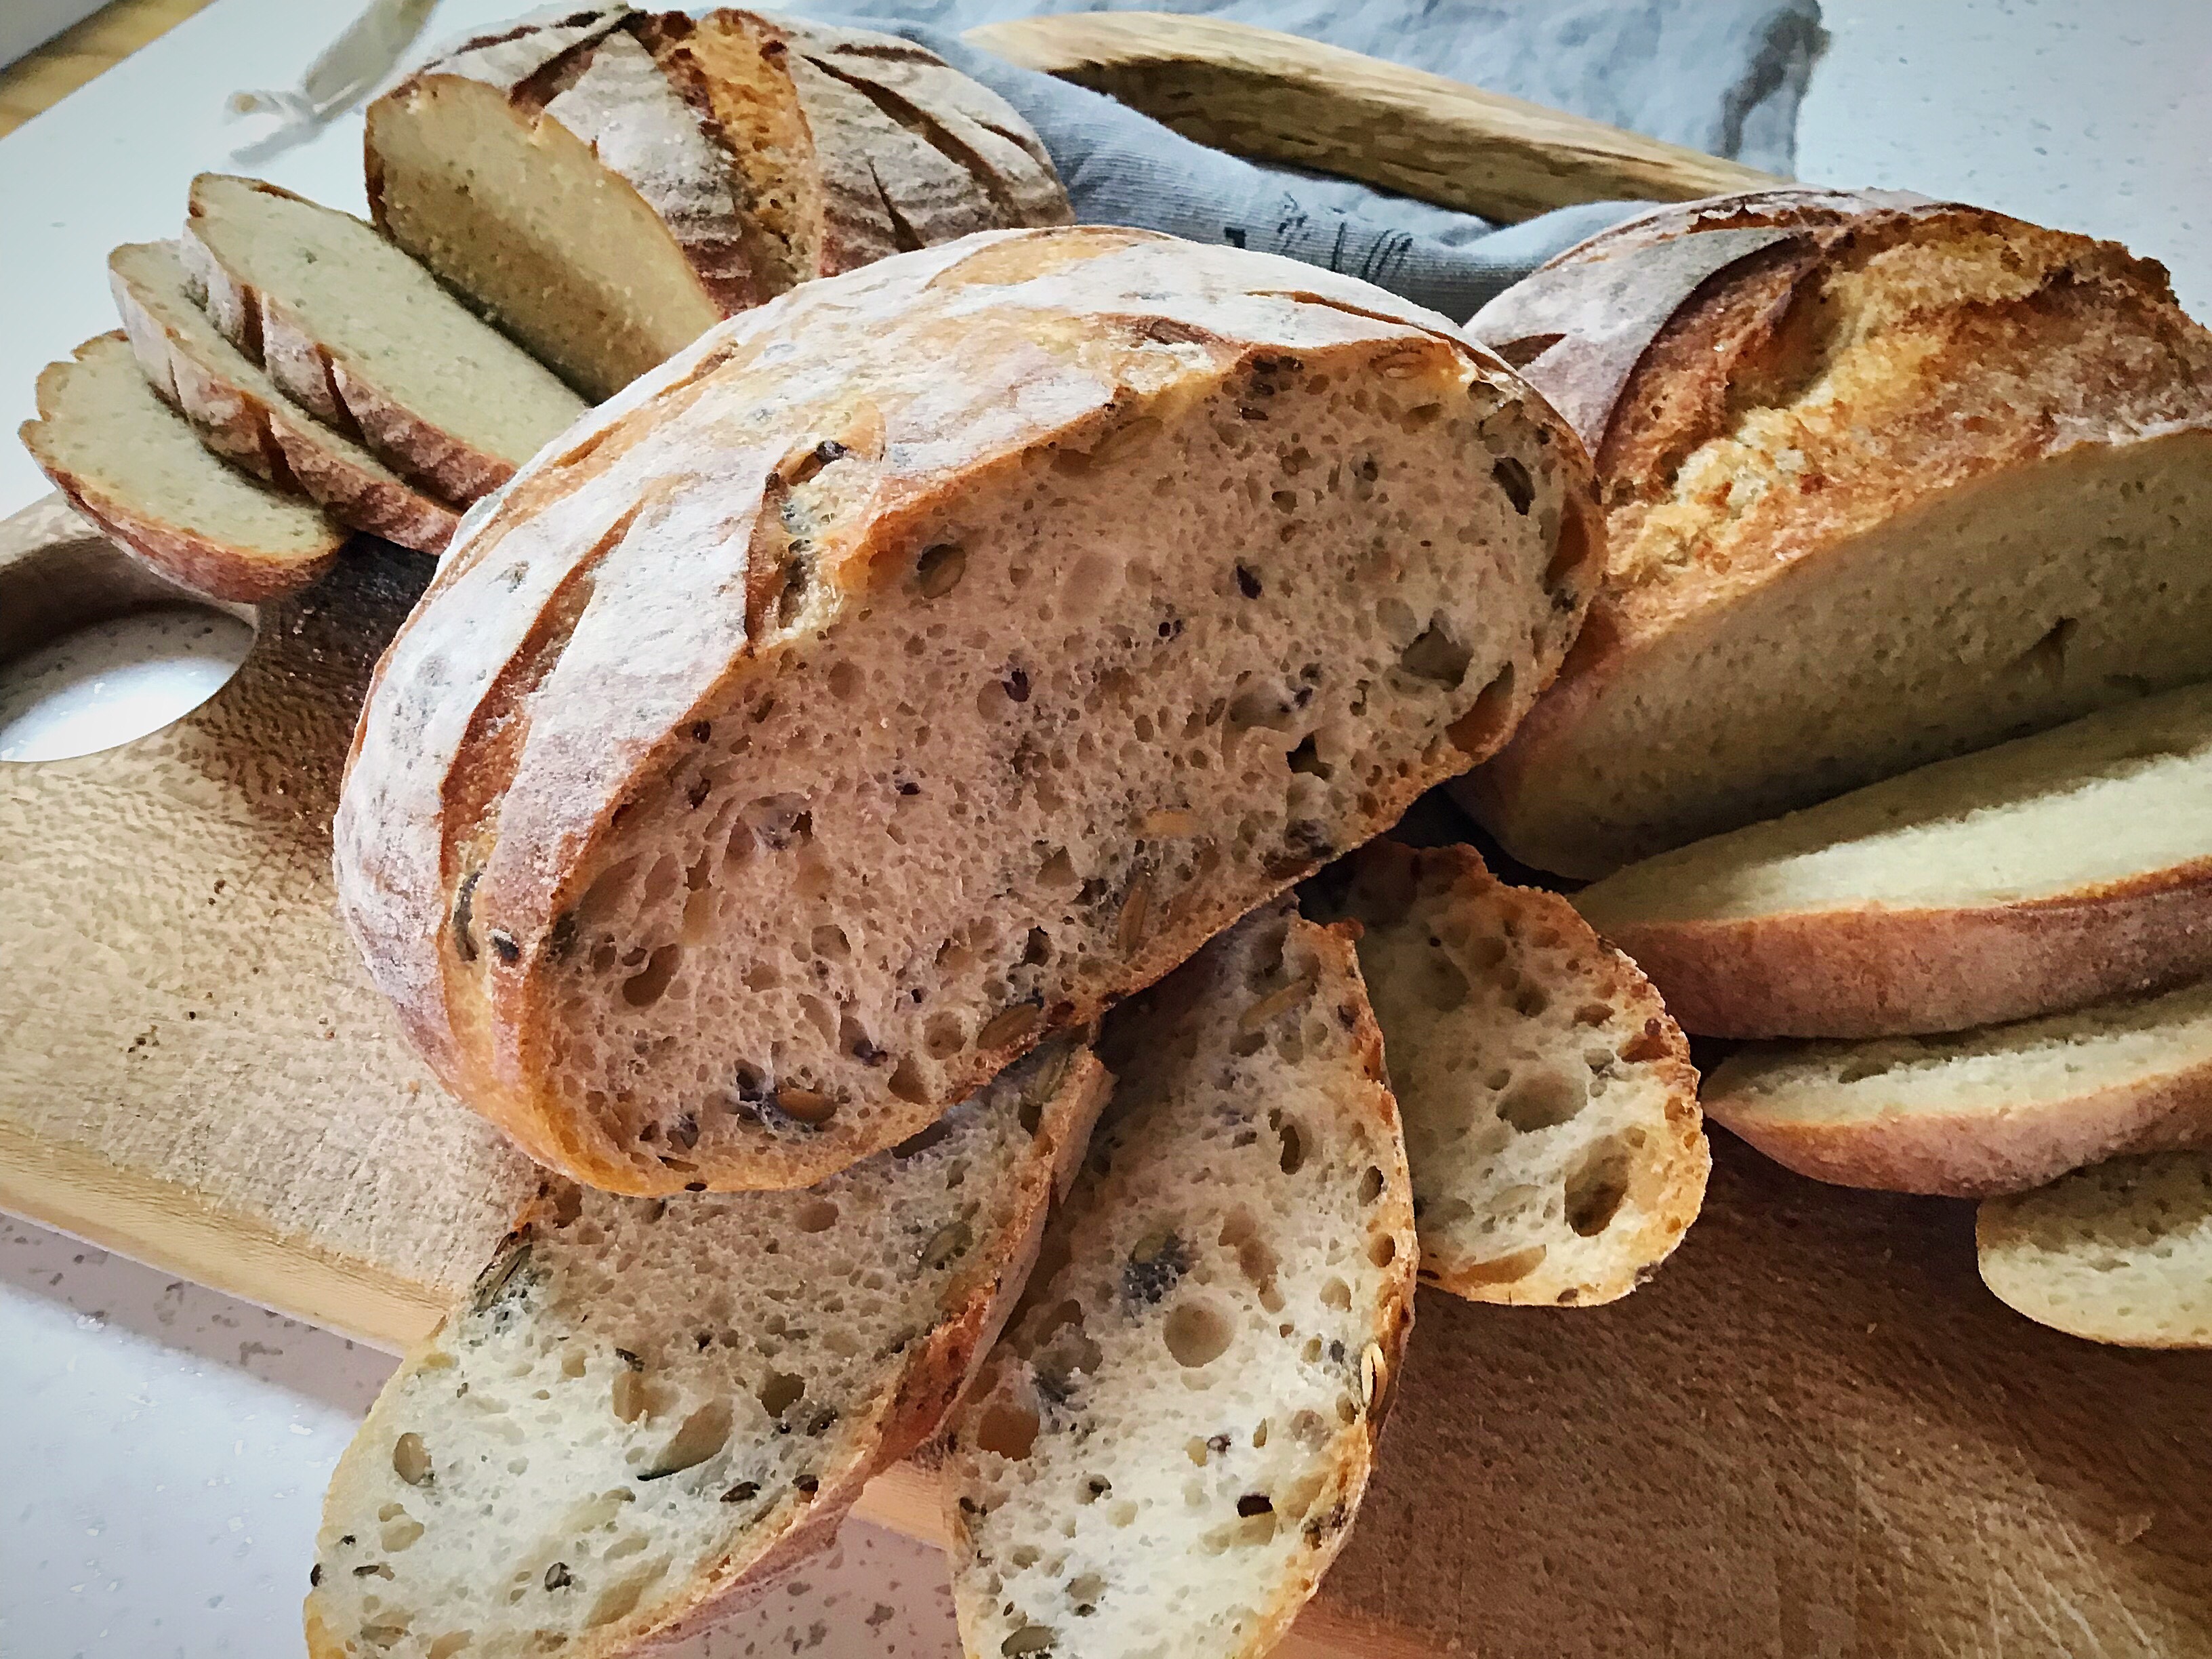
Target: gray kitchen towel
[1722,76]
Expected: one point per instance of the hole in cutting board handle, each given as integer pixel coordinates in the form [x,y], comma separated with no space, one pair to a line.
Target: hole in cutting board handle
[96,650]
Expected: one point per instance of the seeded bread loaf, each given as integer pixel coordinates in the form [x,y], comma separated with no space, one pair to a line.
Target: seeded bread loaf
[1168,1448]
[920,663]
[2119,1253]
[244,416]
[364,338]
[129,463]
[649,1406]
[606,185]
[1998,1109]
[2047,873]
[1550,1106]
[1886,481]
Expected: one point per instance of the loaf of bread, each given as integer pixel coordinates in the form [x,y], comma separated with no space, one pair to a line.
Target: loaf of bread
[647,1406]
[605,185]
[1168,1448]
[1550,1106]
[2121,1253]
[2044,873]
[1886,480]
[131,464]
[920,663]
[1998,1109]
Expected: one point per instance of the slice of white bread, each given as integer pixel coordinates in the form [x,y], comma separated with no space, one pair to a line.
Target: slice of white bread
[1998,1109]
[1550,1106]
[131,464]
[1098,587]
[364,338]
[605,185]
[647,1406]
[245,416]
[1886,481]
[1168,1448]
[2120,1252]
[2048,872]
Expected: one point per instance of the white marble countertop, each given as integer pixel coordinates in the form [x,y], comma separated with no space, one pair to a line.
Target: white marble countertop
[161,1479]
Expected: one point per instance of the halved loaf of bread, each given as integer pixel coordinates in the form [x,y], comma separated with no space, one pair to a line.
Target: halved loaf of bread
[1168,1448]
[2042,874]
[1886,481]
[244,416]
[364,338]
[2119,1253]
[648,1405]
[920,663]
[1994,1110]
[131,464]
[605,185]
[1550,1106]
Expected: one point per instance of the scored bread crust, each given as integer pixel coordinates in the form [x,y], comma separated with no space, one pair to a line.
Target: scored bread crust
[222,570]
[475,804]
[930,1376]
[269,437]
[1659,336]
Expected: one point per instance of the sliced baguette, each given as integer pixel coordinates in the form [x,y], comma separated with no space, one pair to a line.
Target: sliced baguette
[1999,1110]
[2048,872]
[649,1406]
[2119,1253]
[131,464]
[976,747]
[1550,1106]
[1168,1448]
[245,416]
[364,338]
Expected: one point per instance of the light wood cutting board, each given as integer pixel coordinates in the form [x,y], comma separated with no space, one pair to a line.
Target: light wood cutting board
[1813,1434]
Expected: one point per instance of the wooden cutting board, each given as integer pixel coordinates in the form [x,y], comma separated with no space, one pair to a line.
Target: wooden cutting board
[1814,1433]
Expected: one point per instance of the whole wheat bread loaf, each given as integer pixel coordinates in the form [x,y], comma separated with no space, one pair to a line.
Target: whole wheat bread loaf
[131,464]
[244,416]
[1886,481]
[647,1406]
[1168,1448]
[1550,1106]
[2120,1252]
[605,185]
[2044,873]
[364,338]
[919,664]
[1997,1109]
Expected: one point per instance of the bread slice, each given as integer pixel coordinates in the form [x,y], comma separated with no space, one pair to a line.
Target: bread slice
[364,338]
[647,1406]
[1551,1108]
[2119,1253]
[2042,874]
[1168,1448]
[244,417]
[605,185]
[976,747]
[1886,481]
[1994,1110]
[129,463]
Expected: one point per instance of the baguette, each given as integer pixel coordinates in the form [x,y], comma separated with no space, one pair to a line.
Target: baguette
[1170,1445]
[1096,587]
[647,1407]
[2048,872]
[1886,481]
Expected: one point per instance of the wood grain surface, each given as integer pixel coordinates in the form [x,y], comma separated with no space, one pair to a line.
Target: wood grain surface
[1282,98]
[1814,1433]
[43,76]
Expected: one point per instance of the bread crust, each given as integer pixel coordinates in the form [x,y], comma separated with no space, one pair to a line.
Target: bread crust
[1654,342]
[436,780]
[214,568]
